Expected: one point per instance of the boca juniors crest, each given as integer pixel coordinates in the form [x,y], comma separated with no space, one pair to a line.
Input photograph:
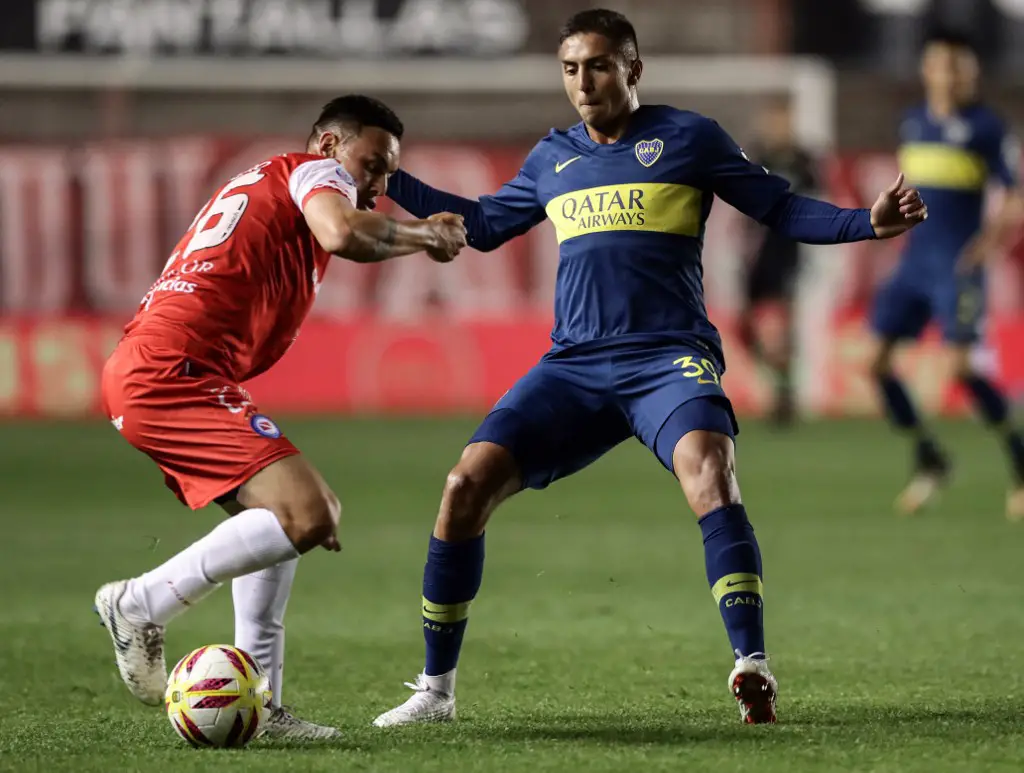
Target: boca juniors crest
[649,151]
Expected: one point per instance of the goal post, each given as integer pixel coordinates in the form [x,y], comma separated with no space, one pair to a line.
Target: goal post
[810,82]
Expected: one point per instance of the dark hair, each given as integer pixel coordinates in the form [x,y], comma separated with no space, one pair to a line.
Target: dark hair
[949,37]
[354,111]
[611,24]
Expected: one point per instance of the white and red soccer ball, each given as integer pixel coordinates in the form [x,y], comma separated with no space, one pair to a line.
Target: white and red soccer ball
[218,696]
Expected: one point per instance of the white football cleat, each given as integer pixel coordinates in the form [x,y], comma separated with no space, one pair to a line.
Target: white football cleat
[138,647]
[922,490]
[754,688]
[433,700]
[285,726]
[1015,505]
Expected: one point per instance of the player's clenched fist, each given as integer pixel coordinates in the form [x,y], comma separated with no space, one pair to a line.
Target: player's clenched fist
[450,236]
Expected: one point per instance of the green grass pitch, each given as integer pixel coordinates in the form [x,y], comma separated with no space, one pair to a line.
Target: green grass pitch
[594,644]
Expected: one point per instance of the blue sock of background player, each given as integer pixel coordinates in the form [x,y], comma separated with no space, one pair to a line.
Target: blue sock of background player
[901,412]
[992,405]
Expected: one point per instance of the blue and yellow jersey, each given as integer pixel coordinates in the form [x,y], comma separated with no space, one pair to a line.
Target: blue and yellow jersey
[952,161]
[630,217]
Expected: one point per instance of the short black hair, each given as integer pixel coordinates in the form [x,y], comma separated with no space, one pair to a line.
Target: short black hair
[949,37]
[352,112]
[611,24]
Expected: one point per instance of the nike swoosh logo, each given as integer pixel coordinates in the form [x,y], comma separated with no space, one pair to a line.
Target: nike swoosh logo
[564,164]
[732,584]
[429,611]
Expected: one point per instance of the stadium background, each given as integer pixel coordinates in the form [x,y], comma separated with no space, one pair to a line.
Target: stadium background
[595,644]
[118,118]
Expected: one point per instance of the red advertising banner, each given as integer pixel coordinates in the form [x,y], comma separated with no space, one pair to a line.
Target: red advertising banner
[85,230]
[51,367]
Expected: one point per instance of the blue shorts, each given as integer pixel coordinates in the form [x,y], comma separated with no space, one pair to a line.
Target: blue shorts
[905,305]
[577,404]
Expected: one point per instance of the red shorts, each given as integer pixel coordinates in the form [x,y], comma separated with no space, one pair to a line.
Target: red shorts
[201,429]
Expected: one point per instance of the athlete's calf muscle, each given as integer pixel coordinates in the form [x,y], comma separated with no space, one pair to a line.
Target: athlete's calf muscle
[482,479]
[705,464]
[297,494]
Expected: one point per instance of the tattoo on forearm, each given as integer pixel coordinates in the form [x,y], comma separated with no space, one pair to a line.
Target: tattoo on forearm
[383,247]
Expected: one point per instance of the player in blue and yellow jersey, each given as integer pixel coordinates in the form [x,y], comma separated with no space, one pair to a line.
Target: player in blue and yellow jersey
[628,190]
[953,148]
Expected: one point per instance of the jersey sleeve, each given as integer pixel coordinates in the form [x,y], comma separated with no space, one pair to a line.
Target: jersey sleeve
[733,177]
[766,197]
[1002,155]
[324,174]
[492,219]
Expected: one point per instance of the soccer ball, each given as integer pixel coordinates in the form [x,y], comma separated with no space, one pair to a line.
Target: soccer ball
[218,696]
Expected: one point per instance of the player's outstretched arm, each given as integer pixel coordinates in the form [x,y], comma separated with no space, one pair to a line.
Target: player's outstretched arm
[490,221]
[897,209]
[766,197]
[370,237]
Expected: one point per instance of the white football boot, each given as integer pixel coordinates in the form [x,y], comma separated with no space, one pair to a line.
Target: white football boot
[138,647]
[285,726]
[433,700]
[930,477]
[922,490]
[754,688]
[1015,505]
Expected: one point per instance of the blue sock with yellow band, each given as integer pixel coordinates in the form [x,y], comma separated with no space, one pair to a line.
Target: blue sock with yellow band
[733,562]
[451,579]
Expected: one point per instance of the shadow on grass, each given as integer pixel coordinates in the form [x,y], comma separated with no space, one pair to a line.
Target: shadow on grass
[807,726]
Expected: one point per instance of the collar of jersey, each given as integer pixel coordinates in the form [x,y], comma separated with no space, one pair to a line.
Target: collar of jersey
[579,136]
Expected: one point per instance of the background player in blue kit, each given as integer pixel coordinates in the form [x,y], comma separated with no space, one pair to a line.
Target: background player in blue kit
[952,147]
[628,191]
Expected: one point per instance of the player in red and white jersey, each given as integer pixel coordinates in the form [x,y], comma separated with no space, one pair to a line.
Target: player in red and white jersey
[227,306]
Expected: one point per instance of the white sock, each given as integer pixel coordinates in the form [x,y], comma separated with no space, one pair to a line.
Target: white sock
[260,601]
[248,542]
[442,683]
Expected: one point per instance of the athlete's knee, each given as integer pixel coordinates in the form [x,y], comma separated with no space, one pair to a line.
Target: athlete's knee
[484,476]
[297,494]
[705,464]
[309,521]
[310,518]
[465,488]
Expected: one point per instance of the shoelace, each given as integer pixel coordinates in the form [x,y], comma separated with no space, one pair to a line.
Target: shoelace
[762,656]
[420,684]
[283,715]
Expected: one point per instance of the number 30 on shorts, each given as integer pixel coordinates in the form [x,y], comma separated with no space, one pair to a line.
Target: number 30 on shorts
[704,371]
